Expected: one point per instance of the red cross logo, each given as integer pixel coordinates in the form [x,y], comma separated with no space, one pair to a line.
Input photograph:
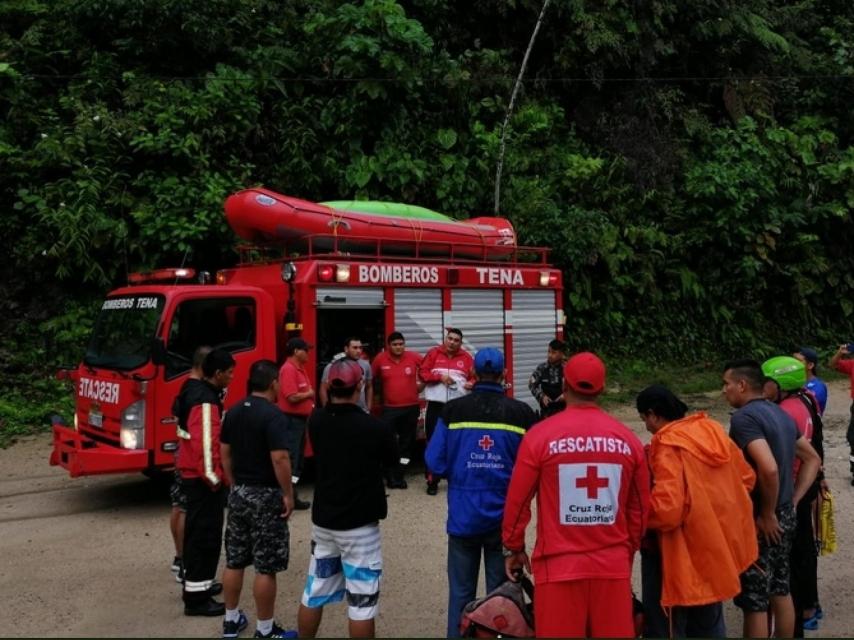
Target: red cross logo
[592,482]
[486,442]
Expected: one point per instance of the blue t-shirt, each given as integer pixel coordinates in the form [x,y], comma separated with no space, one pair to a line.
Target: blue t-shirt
[819,390]
[762,419]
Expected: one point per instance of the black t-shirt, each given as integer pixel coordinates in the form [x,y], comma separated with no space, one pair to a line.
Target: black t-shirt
[351,449]
[253,428]
[763,419]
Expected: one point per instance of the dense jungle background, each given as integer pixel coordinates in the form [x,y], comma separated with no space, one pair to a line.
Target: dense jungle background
[690,163]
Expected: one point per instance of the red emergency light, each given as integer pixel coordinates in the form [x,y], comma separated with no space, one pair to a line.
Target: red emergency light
[161,275]
[333,272]
[548,278]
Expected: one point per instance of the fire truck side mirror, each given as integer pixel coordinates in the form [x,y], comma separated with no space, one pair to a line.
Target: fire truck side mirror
[158,351]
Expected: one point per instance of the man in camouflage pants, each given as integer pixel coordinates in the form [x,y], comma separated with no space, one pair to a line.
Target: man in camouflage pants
[256,464]
[546,383]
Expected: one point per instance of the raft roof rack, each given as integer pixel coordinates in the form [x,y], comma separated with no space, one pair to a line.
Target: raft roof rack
[371,249]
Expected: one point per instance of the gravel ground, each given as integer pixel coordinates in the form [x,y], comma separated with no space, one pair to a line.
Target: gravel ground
[90,557]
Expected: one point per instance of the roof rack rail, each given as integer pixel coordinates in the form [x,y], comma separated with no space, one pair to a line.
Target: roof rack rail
[372,249]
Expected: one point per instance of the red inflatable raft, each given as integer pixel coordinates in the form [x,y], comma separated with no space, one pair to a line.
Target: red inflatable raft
[261,215]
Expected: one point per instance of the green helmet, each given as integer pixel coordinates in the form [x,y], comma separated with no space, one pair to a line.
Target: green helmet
[788,372]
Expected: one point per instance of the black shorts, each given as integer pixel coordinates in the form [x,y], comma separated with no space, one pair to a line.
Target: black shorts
[770,574]
[176,493]
[256,533]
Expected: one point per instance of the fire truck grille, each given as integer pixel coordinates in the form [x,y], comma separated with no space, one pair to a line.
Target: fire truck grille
[99,435]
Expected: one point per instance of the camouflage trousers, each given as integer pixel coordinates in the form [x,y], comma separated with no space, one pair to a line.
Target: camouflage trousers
[256,533]
[177,496]
[771,573]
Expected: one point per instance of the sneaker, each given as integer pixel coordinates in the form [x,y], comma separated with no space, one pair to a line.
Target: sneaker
[177,564]
[811,624]
[432,489]
[277,632]
[179,576]
[232,628]
[819,613]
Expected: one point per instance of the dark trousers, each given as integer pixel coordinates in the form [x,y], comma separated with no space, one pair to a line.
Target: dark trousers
[804,565]
[703,621]
[555,406]
[202,538]
[296,442]
[463,569]
[403,421]
[850,437]
[431,417]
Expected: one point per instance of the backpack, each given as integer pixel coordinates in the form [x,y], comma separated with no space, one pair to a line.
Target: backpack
[502,613]
[817,441]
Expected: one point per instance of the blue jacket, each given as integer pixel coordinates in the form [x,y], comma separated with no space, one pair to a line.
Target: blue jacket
[474,447]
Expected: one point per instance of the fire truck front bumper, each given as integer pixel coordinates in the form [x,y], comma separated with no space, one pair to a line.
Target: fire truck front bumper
[82,456]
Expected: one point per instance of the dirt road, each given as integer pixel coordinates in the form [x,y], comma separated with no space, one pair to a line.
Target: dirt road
[90,557]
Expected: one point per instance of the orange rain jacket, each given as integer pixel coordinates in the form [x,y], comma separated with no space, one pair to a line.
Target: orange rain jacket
[701,509]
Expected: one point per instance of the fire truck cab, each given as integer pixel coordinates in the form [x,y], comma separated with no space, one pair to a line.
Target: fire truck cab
[140,351]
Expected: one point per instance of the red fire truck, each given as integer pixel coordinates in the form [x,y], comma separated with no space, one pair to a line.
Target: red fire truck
[325,287]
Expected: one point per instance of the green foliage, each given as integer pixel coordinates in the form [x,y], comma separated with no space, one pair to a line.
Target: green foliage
[690,164]
[22,415]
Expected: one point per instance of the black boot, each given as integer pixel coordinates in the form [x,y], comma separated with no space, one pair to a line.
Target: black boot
[396,480]
[209,607]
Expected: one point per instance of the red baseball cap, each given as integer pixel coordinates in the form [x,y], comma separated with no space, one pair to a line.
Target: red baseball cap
[585,373]
[344,373]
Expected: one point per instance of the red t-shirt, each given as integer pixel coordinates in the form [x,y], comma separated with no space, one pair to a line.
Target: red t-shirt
[293,379]
[591,480]
[399,378]
[847,366]
[803,420]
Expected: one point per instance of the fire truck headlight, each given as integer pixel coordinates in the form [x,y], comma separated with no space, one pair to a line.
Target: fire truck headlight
[132,433]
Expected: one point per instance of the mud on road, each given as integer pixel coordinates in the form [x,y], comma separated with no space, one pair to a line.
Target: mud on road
[91,556]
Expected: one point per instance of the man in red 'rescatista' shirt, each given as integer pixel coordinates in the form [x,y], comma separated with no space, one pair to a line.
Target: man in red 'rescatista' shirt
[591,480]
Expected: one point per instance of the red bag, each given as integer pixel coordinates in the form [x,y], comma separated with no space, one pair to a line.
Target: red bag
[502,613]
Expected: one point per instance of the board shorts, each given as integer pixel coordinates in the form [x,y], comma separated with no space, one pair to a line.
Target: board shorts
[256,533]
[177,496]
[770,574]
[345,564]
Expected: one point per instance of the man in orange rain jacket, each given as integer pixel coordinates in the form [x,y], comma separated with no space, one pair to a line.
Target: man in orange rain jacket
[701,511]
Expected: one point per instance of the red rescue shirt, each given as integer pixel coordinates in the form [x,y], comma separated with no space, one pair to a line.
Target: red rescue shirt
[847,367]
[293,379]
[803,419]
[398,377]
[591,480]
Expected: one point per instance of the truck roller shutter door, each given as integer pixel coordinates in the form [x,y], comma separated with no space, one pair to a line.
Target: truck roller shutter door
[533,321]
[479,314]
[418,316]
[351,297]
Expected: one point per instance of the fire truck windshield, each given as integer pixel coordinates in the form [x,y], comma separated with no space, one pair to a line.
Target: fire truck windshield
[124,331]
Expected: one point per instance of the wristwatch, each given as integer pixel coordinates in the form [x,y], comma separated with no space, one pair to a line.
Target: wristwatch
[508,553]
